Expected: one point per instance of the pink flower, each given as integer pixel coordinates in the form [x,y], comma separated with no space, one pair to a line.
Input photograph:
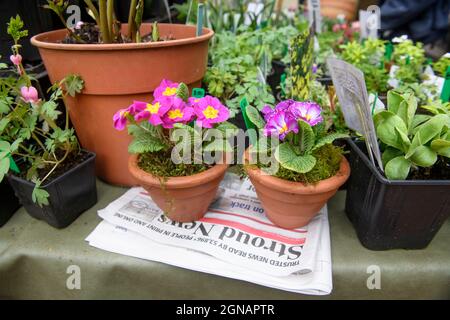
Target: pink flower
[16,59]
[336,27]
[209,110]
[79,24]
[280,124]
[306,111]
[120,119]
[150,111]
[29,94]
[179,112]
[355,25]
[165,92]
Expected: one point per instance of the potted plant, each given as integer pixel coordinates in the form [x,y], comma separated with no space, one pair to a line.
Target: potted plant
[53,178]
[183,185]
[405,206]
[369,58]
[306,169]
[118,63]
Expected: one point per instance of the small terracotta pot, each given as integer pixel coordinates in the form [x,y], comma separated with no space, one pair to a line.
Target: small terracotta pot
[290,204]
[116,74]
[183,199]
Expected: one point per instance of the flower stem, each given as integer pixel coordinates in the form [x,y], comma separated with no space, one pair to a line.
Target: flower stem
[104,21]
[131,21]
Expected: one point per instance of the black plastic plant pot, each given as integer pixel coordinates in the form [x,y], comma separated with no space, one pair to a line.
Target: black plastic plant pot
[403,214]
[274,78]
[9,202]
[71,194]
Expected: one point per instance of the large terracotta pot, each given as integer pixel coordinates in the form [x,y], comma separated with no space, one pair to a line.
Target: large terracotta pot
[290,204]
[183,199]
[333,8]
[116,74]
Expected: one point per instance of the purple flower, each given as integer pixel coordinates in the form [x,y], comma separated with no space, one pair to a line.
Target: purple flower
[280,124]
[306,111]
[150,111]
[179,112]
[209,110]
[165,92]
[120,119]
[283,106]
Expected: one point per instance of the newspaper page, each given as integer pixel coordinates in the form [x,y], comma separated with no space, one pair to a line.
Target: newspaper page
[122,241]
[234,230]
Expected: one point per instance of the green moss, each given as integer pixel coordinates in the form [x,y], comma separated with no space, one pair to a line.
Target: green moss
[328,163]
[160,164]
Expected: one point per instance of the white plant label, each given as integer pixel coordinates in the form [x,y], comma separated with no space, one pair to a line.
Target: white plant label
[314,16]
[352,94]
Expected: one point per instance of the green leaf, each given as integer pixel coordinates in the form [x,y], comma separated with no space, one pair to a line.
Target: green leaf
[288,159]
[4,167]
[15,26]
[418,120]
[228,129]
[49,109]
[5,146]
[218,145]
[3,123]
[403,139]
[145,143]
[387,127]
[423,156]
[406,110]
[73,84]
[390,153]
[397,168]
[306,136]
[40,196]
[427,131]
[5,102]
[393,100]
[329,139]
[441,147]
[255,117]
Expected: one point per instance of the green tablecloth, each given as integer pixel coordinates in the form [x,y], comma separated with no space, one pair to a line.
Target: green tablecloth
[34,258]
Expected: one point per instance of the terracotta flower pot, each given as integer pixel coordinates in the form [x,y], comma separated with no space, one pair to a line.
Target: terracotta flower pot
[290,204]
[116,74]
[183,199]
[333,8]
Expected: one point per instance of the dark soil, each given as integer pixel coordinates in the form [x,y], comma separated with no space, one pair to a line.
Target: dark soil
[90,34]
[71,161]
[160,164]
[440,171]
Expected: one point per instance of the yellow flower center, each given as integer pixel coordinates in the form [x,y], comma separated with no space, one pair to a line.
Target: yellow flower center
[210,113]
[169,91]
[283,129]
[308,117]
[173,114]
[153,108]
[124,114]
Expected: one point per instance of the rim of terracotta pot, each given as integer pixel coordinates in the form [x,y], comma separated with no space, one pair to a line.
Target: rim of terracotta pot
[175,182]
[322,186]
[39,40]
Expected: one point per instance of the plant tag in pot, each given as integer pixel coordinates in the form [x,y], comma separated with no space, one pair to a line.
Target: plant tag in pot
[314,15]
[352,93]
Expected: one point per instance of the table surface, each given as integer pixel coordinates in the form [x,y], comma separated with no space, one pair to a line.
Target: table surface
[34,258]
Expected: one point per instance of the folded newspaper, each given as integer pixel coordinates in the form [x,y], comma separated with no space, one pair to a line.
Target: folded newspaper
[234,239]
